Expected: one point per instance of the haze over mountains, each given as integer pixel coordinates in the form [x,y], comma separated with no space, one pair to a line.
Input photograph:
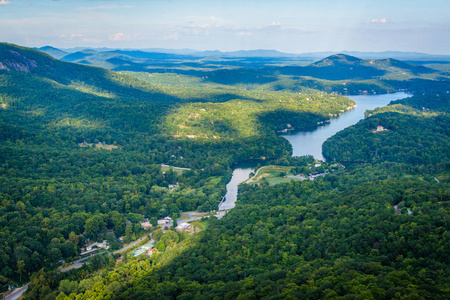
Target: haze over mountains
[228,67]
[60,53]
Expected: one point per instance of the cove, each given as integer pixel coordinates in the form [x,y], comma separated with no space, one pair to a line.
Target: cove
[310,142]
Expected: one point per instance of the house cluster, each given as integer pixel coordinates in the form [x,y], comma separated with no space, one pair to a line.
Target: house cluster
[164,221]
[312,177]
[184,227]
[289,127]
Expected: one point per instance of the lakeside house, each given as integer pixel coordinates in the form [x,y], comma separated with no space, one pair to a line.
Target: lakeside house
[379,129]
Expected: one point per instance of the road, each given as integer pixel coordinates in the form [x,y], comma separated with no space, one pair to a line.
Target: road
[17,293]
[192,217]
[79,262]
[130,245]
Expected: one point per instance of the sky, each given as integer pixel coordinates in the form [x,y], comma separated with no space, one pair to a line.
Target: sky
[293,26]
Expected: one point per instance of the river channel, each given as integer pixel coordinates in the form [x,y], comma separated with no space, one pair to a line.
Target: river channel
[310,142]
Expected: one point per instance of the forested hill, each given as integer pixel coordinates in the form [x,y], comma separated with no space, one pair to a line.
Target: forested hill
[415,131]
[376,230]
[73,93]
[29,64]
[341,66]
[212,68]
[81,149]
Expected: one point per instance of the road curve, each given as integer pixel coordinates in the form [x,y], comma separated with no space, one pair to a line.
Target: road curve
[17,293]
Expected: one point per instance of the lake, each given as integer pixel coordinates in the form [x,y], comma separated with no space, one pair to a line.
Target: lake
[310,142]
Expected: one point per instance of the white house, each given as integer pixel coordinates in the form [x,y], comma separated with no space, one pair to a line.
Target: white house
[103,245]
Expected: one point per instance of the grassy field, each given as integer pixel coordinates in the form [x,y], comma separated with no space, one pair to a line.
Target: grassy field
[272,175]
[165,168]
[99,146]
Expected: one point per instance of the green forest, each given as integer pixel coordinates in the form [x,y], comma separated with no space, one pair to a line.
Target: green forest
[81,150]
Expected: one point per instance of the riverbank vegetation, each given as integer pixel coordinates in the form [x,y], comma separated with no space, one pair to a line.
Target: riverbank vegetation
[275,174]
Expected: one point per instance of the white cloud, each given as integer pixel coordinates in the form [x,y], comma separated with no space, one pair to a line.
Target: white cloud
[5,2]
[213,19]
[274,25]
[119,36]
[243,33]
[77,38]
[71,36]
[173,36]
[381,21]
[198,29]
[103,7]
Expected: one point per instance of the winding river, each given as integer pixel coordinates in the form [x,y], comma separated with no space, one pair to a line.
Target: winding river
[310,142]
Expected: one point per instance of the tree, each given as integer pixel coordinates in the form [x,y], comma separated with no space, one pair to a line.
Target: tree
[110,237]
[174,219]
[157,234]
[91,227]
[20,268]
[68,287]
[55,255]
[161,246]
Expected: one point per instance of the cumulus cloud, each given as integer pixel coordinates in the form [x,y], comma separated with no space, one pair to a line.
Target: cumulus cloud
[119,36]
[5,2]
[380,21]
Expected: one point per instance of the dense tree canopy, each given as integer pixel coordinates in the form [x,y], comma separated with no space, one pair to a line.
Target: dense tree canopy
[81,150]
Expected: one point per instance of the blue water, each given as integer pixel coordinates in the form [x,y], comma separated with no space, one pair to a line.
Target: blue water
[310,142]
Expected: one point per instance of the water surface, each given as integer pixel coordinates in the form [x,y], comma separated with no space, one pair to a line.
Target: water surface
[240,174]
[310,142]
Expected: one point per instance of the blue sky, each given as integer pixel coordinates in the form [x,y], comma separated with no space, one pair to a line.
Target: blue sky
[290,26]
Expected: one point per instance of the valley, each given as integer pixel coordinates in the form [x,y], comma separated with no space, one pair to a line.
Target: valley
[89,154]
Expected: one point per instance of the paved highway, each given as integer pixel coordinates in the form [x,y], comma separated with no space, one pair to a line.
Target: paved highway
[17,293]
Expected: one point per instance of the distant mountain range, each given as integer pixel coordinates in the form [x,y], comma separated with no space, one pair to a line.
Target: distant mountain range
[342,66]
[195,54]
[55,52]
[217,68]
